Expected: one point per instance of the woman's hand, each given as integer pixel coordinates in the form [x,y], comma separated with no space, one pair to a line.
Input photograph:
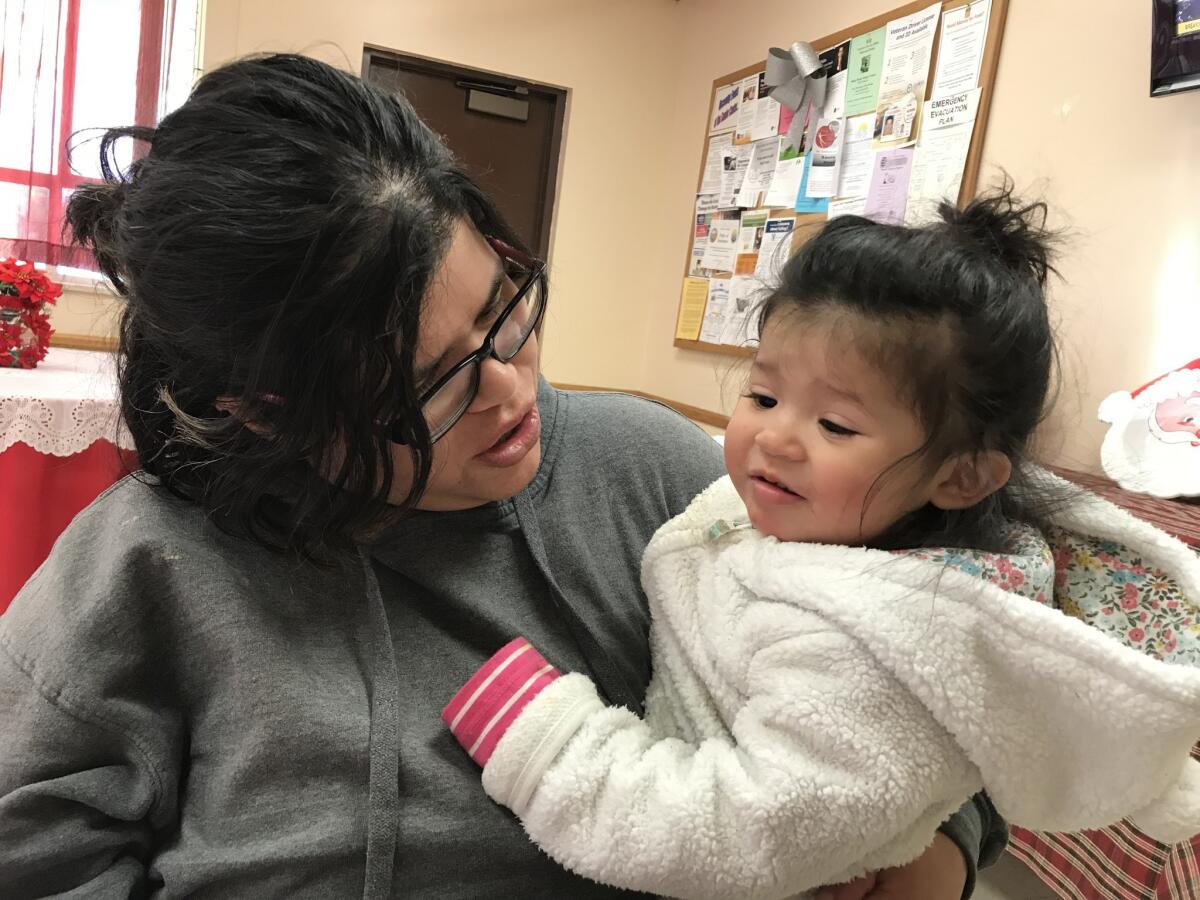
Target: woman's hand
[937,874]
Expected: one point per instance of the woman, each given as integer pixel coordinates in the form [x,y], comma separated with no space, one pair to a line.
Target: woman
[226,679]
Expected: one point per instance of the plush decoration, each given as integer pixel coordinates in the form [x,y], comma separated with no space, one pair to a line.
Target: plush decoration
[1153,444]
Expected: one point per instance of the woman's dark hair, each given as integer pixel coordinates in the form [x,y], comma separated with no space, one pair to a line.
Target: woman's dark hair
[955,313]
[273,246]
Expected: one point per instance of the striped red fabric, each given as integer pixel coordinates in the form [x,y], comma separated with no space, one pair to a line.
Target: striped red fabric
[1178,517]
[485,707]
[1119,863]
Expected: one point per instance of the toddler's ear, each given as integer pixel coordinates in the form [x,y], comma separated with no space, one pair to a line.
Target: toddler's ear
[964,480]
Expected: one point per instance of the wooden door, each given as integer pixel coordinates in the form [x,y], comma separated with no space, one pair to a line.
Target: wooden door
[506,132]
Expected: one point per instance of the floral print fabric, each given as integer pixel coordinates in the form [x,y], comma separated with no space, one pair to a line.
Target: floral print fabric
[1102,583]
[1111,588]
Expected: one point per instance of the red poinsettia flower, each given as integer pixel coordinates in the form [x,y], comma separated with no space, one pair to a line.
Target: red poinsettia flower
[25,295]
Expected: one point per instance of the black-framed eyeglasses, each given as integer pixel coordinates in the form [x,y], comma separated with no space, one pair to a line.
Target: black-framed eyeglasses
[448,398]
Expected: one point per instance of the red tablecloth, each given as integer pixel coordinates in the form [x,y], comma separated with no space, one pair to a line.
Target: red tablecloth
[42,494]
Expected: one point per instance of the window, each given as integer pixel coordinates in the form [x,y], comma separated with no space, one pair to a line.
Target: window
[71,68]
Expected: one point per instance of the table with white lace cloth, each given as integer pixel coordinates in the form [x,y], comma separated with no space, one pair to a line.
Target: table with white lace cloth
[61,445]
[64,405]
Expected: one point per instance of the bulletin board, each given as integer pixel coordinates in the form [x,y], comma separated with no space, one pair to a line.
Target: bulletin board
[931,138]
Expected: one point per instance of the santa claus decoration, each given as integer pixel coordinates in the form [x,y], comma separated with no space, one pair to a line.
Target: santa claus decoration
[1153,442]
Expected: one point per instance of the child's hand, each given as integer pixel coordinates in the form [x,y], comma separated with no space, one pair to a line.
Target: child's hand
[858,889]
[937,874]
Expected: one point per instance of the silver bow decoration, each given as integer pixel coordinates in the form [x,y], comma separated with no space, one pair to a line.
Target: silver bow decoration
[795,77]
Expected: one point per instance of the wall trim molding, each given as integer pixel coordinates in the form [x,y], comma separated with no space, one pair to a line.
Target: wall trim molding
[695,413]
[102,342]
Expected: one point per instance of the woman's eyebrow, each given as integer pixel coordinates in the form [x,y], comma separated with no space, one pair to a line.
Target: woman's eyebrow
[489,305]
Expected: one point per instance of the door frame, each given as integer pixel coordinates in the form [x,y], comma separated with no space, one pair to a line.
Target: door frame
[507,85]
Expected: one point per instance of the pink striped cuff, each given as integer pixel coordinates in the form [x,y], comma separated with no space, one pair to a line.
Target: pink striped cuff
[490,702]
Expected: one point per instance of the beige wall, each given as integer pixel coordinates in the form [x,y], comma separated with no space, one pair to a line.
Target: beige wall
[613,56]
[1070,118]
[87,311]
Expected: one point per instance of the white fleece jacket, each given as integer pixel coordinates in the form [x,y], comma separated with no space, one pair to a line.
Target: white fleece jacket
[816,711]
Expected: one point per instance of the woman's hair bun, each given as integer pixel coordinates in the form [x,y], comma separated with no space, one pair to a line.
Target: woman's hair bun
[92,221]
[93,213]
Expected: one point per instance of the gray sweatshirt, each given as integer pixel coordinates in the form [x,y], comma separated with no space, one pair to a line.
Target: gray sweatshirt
[185,713]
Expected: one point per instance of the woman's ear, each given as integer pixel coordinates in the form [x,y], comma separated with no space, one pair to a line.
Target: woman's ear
[964,480]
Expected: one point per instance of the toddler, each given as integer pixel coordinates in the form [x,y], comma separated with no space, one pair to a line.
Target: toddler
[855,630]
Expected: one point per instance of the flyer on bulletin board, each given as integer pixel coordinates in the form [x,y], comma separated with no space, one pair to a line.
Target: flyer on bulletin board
[741,312]
[766,113]
[824,172]
[887,196]
[847,206]
[805,203]
[750,240]
[714,163]
[857,156]
[691,308]
[775,248]
[734,167]
[862,74]
[720,250]
[785,183]
[907,54]
[747,110]
[712,325]
[763,159]
[725,108]
[960,48]
[835,59]
[941,155]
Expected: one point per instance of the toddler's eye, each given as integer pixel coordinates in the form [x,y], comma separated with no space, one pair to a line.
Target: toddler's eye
[762,401]
[836,429]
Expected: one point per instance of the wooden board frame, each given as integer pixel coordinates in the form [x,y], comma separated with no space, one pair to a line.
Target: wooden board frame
[970,180]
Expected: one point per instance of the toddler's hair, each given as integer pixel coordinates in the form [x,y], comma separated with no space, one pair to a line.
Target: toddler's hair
[955,314]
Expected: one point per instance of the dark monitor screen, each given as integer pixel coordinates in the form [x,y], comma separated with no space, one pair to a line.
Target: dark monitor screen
[1175,47]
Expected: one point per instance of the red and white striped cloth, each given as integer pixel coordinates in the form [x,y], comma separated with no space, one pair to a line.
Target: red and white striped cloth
[1119,863]
[1115,863]
[484,708]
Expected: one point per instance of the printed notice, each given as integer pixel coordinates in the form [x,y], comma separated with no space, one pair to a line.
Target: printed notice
[741,312]
[712,326]
[805,203]
[714,163]
[775,248]
[720,250]
[836,60]
[960,51]
[725,108]
[766,113]
[847,206]
[857,156]
[691,308]
[823,176]
[862,75]
[888,193]
[938,163]
[906,58]
[747,109]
